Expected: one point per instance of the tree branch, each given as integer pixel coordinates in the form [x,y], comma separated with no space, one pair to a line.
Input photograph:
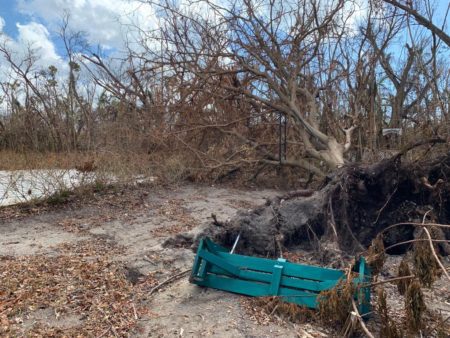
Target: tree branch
[421,20]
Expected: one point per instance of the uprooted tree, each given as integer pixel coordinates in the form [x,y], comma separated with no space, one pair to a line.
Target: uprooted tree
[216,83]
[355,204]
[296,59]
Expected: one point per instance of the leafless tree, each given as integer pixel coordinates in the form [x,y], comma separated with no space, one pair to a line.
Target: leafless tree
[279,50]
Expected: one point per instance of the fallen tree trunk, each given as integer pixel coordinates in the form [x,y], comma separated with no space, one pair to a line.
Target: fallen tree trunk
[354,204]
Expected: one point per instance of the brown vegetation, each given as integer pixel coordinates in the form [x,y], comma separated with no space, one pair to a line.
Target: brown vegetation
[239,94]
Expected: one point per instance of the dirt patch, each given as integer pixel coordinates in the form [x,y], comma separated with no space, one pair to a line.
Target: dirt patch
[36,237]
[98,261]
[110,249]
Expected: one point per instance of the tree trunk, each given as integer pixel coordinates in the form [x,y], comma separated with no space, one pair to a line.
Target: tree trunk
[334,155]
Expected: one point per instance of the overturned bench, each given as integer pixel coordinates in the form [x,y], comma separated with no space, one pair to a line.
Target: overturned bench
[215,267]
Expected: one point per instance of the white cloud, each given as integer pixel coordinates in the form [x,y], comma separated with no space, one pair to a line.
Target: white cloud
[358,11]
[37,37]
[2,24]
[106,22]
[32,37]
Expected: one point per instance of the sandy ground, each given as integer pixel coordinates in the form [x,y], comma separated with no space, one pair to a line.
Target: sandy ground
[138,221]
[181,309]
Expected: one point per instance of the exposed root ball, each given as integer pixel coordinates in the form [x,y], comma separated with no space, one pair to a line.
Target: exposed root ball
[403,271]
[415,306]
[354,204]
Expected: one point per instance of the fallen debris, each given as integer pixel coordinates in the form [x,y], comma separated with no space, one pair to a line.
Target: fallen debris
[168,281]
[81,280]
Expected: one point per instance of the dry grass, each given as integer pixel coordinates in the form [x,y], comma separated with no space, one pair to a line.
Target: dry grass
[51,178]
[389,329]
[415,307]
[288,311]
[336,304]
[425,266]
[403,270]
[124,166]
[10,160]
[163,167]
[266,310]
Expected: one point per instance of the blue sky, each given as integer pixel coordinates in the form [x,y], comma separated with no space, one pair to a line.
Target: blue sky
[9,13]
[12,16]
[106,22]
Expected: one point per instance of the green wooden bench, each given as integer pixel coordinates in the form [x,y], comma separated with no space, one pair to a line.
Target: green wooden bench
[216,268]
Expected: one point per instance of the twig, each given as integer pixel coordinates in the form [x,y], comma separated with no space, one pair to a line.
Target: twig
[135,312]
[216,221]
[439,323]
[148,260]
[390,280]
[169,280]
[348,327]
[277,240]
[417,240]
[425,215]
[385,204]
[104,333]
[409,147]
[361,321]
[298,193]
[333,222]
[274,309]
[415,224]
